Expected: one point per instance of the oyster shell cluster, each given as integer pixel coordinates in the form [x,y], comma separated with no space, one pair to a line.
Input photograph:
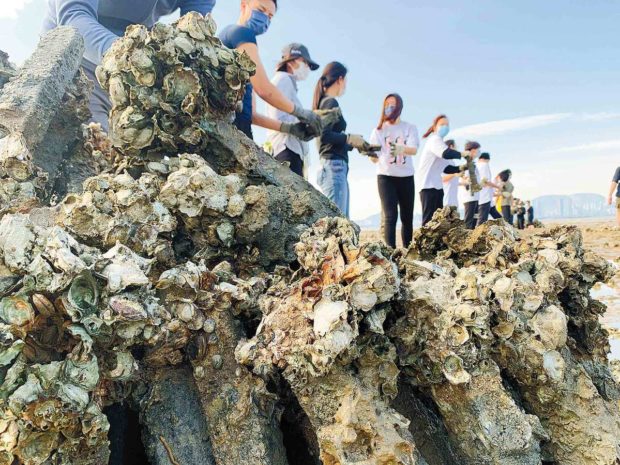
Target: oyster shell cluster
[167,83]
[459,316]
[471,347]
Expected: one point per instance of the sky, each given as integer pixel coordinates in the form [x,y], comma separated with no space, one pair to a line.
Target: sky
[537,83]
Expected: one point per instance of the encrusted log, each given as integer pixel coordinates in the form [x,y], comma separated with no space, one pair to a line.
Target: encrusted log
[42,109]
[173,428]
[205,258]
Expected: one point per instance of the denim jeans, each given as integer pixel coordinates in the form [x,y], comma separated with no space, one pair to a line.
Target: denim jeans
[333,183]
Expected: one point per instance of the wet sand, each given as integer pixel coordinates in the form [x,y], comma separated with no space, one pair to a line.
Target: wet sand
[603,237]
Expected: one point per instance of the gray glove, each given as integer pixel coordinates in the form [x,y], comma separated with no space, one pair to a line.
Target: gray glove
[310,118]
[299,130]
[356,141]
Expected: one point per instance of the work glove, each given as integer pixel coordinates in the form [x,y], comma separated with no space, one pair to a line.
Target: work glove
[313,120]
[466,154]
[397,150]
[299,130]
[462,168]
[357,142]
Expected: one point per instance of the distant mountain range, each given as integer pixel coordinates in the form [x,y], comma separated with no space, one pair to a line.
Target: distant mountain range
[545,207]
[572,206]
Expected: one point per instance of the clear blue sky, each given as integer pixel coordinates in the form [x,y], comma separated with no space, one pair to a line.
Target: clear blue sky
[550,68]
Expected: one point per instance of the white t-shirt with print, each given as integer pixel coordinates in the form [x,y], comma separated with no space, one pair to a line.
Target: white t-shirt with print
[451,190]
[432,164]
[486,195]
[402,133]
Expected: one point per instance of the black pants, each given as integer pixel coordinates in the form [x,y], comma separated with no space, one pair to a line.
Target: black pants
[520,222]
[483,212]
[293,160]
[432,200]
[396,193]
[507,214]
[470,214]
[494,213]
[244,126]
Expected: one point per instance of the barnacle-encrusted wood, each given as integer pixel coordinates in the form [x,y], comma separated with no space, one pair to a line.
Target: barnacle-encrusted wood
[167,83]
[212,290]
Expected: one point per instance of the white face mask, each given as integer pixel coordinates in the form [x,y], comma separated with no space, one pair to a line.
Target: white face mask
[302,72]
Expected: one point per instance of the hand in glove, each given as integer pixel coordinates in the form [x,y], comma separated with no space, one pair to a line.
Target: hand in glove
[313,120]
[356,141]
[397,150]
[463,168]
[466,154]
[299,130]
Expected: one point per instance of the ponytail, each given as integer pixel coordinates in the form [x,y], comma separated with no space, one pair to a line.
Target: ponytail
[331,74]
[432,128]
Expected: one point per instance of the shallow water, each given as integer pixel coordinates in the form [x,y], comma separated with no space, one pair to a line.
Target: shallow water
[604,292]
[610,297]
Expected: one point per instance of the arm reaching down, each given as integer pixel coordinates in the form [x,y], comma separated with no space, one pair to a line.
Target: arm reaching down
[261,83]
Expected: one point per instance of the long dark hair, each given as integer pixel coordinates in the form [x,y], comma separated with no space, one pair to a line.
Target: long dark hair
[395,114]
[332,72]
[505,175]
[432,128]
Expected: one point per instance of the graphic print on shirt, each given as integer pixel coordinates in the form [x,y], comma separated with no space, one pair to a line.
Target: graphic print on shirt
[400,159]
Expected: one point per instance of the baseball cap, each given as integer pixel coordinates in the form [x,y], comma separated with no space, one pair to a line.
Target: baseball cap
[294,51]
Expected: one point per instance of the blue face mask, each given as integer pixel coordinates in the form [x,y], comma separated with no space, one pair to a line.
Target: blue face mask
[389,110]
[443,130]
[259,22]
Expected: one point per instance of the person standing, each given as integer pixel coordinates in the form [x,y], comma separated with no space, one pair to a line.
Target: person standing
[471,198]
[101,22]
[451,183]
[294,67]
[334,143]
[506,190]
[254,20]
[530,213]
[488,189]
[520,214]
[399,143]
[434,162]
[615,186]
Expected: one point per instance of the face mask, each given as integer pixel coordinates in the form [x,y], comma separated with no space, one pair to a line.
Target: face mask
[302,72]
[443,130]
[259,22]
[389,110]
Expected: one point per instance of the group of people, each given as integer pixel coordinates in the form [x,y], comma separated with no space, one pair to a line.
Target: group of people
[391,146]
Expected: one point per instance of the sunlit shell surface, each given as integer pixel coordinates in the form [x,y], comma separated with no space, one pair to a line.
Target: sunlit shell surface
[200,80]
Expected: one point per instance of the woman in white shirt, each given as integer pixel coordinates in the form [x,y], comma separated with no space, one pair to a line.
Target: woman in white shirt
[451,183]
[434,162]
[399,142]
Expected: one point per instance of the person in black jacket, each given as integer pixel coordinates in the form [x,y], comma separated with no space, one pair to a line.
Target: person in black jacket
[334,143]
